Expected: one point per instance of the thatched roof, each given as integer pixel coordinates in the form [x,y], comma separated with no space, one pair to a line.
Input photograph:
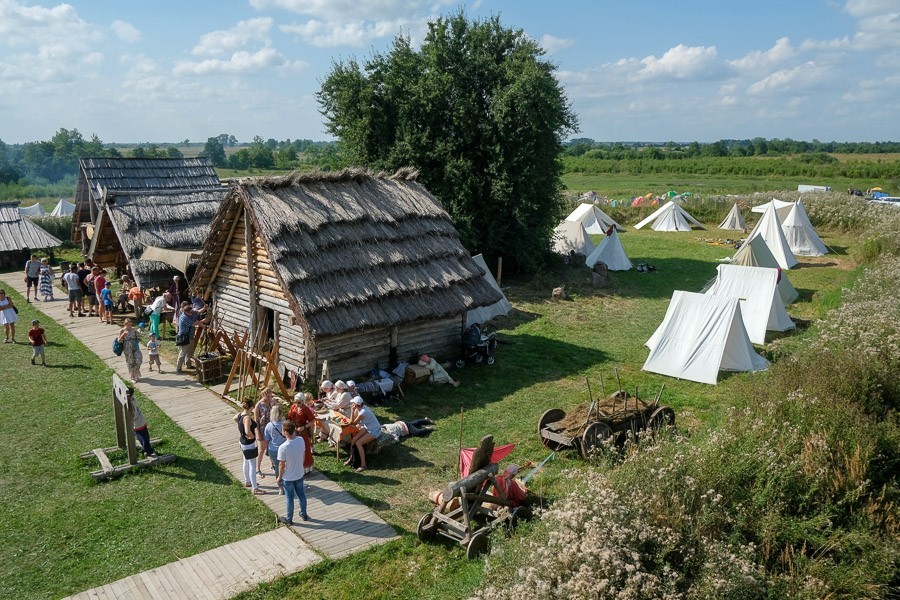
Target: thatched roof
[177,220]
[17,233]
[354,249]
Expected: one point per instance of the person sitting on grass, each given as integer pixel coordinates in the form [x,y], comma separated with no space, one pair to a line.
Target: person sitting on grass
[38,341]
[369,428]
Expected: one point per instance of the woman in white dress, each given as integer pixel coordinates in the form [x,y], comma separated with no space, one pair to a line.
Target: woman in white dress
[8,317]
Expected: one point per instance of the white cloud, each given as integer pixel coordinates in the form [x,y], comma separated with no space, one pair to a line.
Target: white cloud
[239,63]
[551,43]
[225,40]
[348,11]
[330,34]
[680,62]
[763,60]
[126,31]
[791,80]
[817,45]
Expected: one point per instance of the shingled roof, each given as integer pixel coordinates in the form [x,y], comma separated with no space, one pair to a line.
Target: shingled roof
[354,249]
[17,233]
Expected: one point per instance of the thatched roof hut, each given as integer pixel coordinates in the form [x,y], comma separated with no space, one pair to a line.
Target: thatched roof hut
[352,267]
[19,236]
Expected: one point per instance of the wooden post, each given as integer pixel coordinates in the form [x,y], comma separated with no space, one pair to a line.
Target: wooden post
[459,453]
[499,269]
[119,411]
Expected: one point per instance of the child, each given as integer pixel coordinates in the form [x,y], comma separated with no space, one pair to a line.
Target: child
[153,352]
[140,425]
[38,341]
[122,299]
[107,302]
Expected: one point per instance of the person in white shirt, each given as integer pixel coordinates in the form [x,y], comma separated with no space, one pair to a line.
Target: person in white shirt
[291,471]
[369,428]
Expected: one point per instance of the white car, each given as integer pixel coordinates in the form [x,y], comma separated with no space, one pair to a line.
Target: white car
[889,200]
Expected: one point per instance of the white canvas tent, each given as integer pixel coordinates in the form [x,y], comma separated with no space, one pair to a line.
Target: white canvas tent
[483,314]
[761,305]
[699,336]
[756,253]
[734,220]
[769,229]
[593,219]
[670,217]
[62,209]
[782,207]
[569,237]
[610,252]
[801,236]
[35,210]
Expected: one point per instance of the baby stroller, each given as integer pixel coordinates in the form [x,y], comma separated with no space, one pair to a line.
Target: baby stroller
[477,346]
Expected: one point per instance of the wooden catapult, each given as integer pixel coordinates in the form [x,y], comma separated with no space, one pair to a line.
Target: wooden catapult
[125,440]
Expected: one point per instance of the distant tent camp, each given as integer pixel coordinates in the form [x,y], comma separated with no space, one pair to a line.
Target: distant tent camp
[35,210]
[611,253]
[594,220]
[756,253]
[670,217]
[782,207]
[801,236]
[483,314]
[699,336]
[569,237]
[769,229]
[734,220]
[761,305]
[62,209]
[639,201]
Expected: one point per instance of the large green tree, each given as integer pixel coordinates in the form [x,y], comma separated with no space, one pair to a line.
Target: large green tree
[478,110]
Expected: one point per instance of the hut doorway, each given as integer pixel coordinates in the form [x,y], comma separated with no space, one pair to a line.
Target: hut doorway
[269,329]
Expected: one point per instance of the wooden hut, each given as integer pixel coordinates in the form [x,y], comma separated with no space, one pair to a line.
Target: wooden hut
[352,267]
[123,206]
[19,237]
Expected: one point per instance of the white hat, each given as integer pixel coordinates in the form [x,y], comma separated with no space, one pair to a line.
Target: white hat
[511,469]
[326,385]
[299,397]
[357,400]
[340,385]
[351,383]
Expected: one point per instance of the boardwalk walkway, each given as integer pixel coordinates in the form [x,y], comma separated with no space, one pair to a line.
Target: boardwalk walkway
[339,524]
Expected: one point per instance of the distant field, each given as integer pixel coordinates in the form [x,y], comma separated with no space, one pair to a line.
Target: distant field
[886,157]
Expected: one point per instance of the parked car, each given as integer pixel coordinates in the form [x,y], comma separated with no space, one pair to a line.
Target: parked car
[888,200]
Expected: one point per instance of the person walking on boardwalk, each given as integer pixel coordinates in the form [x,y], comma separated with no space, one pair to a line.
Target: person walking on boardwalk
[8,317]
[247,432]
[290,472]
[73,285]
[46,280]
[131,350]
[32,272]
[184,337]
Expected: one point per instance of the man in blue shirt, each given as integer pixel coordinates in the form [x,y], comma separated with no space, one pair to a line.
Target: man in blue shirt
[185,333]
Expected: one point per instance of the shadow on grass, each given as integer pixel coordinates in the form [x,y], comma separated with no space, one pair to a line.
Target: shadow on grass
[194,469]
[814,265]
[66,367]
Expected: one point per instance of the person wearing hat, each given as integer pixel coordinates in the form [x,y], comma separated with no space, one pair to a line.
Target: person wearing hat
[38,341]
[508,488]
[326,390]
[369,428]
[437,373]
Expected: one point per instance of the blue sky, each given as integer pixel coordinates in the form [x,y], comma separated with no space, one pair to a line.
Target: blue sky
[163,71]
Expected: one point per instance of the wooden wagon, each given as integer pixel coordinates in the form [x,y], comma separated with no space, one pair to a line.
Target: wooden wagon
[590,426]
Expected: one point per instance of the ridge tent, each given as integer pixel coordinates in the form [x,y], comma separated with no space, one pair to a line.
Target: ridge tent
[801,236]
[761,306]
[670,217]
[756,253]
[734,219]
[699,336]
[782,207]
[483,314]
[593,219]
[63,209]
[35,210]
[611,253]
[569,237]
[769,229]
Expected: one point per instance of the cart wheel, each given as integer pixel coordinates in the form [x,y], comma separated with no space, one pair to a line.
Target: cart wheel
[594,436]
[425,530]
[551,416]
[478,545]
[490,360]
[460,363]
[518,514]
[663,418]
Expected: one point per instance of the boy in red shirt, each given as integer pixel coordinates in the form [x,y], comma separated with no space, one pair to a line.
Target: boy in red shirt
[38,341]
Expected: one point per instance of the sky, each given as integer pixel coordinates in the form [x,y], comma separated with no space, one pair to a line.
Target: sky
[163,71]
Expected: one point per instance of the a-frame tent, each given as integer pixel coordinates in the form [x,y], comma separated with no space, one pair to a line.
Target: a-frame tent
[699,336]
[670,217]
[734,219]
[761,306]
[35,210]
[781,207]
[801,236]
[63,208]
[611,253]
[769,229]
[569,237]
[501,307]
[756,253]
[593,219]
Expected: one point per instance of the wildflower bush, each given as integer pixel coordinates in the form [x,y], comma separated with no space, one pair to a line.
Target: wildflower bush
[795,494]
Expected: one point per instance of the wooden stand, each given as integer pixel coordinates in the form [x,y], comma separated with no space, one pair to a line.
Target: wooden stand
[124,439]
[209,369]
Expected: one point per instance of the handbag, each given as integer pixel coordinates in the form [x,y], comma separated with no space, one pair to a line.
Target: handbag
[16,309]
[118,347]
[182,339]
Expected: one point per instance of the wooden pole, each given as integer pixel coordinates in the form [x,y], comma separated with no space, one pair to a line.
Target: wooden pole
[458,454]
[499,269]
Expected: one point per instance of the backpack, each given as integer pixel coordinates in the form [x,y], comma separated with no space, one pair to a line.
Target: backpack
[117,347]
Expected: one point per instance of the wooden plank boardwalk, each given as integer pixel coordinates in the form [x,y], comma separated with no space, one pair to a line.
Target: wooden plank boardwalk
[339,524]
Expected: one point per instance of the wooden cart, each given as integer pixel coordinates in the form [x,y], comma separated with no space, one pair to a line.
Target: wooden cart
[589,427]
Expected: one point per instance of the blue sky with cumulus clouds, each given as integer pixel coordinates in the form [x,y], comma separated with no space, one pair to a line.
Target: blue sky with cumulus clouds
[701,70]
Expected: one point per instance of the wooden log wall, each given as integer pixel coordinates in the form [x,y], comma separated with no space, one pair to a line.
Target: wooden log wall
[355,353]
[232,286]
[441,338]
[291,345]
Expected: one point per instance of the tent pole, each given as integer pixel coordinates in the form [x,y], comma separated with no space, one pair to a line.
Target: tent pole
[458,454]
[499,269]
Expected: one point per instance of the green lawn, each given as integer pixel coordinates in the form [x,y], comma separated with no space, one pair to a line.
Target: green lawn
[61,532]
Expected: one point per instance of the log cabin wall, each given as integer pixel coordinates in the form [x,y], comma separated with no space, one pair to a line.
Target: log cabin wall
[353,353]
[292,345]
[231,288]
[440,338]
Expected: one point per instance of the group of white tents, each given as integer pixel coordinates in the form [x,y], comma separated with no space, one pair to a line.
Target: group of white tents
[572,238]
[63,208]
